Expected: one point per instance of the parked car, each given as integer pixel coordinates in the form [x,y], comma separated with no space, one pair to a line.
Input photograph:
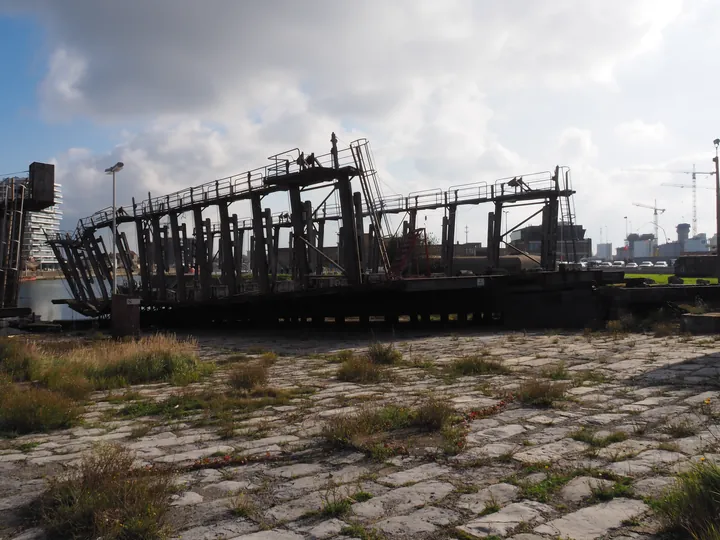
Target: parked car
[661,264]
[605,264]
[631,265]
[646,264]
[618,264]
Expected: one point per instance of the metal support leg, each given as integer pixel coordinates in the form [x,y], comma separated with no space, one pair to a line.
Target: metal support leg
[142,255]
[497,234]
[159,260]
[299,249]
[490,238]
[99,277]
[320,240]
[201,255]
[357,203]
[260,258]
[228,261]
[270,247]
[179,264]
[351,256]
[452,211]
[310,234]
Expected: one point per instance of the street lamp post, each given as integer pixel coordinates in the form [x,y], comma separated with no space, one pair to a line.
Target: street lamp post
[112,170]
[716,142]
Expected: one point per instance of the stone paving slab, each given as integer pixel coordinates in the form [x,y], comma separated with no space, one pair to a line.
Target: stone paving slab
[634,384]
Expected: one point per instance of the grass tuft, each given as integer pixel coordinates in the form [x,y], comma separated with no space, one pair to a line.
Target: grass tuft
[378,353]
[107,497]
[589,437]
[433,414]
[32,410]
[360,369]
[681,429]
[539,393]
[248,376]
[692,507]
[557,372]
[477,365]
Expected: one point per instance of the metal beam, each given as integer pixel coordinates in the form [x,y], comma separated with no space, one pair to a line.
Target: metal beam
[179,264]
[260,258]
[228,261]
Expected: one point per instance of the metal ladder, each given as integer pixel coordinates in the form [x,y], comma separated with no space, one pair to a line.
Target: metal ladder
[567,217]
[371,192]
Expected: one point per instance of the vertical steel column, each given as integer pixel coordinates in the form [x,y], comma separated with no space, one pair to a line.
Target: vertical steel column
[497,233]
[490,238]
[450,256]
[259,258]
[351,256]
[178,251]
[142,253]
[413,220]
[201,255]
[228,261]
[319,262]
[275,254]
[443,241]
[159,260]
[310,234]
[187,250]
[238,247]
[272,263]
[371,249]
[359,229]
[548,247]
[299,247]
[210,245]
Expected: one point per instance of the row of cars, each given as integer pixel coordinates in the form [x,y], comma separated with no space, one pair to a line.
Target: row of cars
[622,264]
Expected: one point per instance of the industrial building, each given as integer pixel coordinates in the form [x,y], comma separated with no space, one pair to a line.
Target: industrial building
[604,251]
[36,253]
[571,244]
[644,247]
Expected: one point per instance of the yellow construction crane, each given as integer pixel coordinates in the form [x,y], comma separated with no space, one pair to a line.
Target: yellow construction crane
[656,212]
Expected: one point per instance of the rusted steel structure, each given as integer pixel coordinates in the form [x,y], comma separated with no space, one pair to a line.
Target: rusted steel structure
[18,196]
[175,274]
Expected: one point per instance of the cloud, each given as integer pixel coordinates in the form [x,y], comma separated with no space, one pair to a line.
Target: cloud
[204,90]
[639,132]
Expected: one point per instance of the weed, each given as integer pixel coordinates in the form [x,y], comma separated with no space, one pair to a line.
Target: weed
[140,431]
[349,431]
[621,488]
[668,447]
[558,372]
[341,356]
[692,506]
[361,370]
[18,360]
[540,393]
[433,414]
[491,507]
[31,410]
[28,446]
[361,496]
[241,505]
[589,437]
[108,497]
[356,530]
[334,505]
[477,365]
[597,377]
[543,490]
[662,329]
[247,376]
[678,430]
[378,353]
[268,358]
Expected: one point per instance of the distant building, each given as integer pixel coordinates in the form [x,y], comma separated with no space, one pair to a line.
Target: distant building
[571,241]
[604,251]
[36,252]
[643,248]
[697,244]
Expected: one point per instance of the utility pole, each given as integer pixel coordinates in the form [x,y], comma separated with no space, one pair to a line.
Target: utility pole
[716,142]
[467,229]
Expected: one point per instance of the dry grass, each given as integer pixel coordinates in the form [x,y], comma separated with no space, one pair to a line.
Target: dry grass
[30,410]
[360,369]
[540,393]
[433,414]
[477,365]
[107,497]
[75,368]
[378,353]
[248,376]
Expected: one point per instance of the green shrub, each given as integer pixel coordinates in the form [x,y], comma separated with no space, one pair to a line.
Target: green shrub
[360,369]
[247,376]
[477,365]
[378,353]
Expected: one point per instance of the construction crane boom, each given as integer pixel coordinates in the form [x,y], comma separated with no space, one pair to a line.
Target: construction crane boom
[687,186]
[656,211]
[694,174]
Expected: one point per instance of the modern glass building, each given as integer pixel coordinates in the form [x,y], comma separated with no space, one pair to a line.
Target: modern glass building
[35,251]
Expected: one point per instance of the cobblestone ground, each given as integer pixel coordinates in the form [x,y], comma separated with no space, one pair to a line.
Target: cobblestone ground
[524,473]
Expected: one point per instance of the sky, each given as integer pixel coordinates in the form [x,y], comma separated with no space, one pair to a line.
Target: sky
[448,92]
